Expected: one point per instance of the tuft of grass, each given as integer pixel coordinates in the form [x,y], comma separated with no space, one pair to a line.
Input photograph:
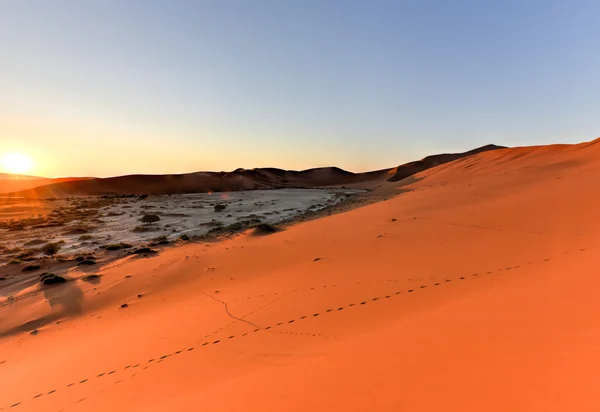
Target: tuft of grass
[184,238]
[15,262]
[92,278]
[51,279]
[31,268]
[220,208]
[85,237]
[86,262]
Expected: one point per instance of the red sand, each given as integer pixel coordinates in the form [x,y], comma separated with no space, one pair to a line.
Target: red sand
[481,296]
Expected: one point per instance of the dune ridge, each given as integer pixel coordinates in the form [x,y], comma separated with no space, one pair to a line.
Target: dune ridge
[239,179]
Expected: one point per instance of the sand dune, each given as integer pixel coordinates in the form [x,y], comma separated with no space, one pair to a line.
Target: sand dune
[15,183]
[202,182]
[474,289]
[409,169]
[239,179]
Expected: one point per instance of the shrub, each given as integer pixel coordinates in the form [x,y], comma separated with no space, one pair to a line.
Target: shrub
[161,240]
[150,219]
[51,279]
[234,226]
[220,208]
[85,237]
[92,277]
[15,262]
[184,238]
[50,249]
[265,229]
[86,262]
[144,250]
[31,268]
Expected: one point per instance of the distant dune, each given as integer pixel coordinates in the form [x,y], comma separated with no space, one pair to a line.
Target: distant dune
[15,183]
[409,169]
[239,179]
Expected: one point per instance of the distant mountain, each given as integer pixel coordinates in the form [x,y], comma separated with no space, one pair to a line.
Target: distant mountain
[239,179]
[14,183]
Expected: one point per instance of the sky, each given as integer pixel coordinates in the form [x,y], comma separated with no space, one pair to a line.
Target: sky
[105,88]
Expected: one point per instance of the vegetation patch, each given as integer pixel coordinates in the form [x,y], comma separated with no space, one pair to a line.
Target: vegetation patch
[31,268]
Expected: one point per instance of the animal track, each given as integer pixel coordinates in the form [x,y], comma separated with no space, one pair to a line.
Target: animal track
[268,329]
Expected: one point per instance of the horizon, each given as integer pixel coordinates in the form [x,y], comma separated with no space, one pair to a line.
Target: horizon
[157,87]
[239,168]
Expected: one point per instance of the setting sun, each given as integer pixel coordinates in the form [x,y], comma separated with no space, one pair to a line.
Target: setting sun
[16,163]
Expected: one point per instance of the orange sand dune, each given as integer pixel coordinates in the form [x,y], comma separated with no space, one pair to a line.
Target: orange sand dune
[475,289]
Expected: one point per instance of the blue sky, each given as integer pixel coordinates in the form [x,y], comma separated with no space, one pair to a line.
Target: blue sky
[113,87]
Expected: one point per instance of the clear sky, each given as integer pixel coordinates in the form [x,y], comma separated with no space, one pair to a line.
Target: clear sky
[113,87]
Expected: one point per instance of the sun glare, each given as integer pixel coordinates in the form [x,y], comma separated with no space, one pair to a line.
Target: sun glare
[16,163]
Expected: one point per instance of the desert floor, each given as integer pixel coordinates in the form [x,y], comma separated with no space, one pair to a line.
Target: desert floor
[474,288]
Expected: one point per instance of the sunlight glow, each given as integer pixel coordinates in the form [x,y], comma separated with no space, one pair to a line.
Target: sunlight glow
[16,163]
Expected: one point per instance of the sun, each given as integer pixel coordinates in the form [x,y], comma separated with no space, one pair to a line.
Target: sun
[16,163]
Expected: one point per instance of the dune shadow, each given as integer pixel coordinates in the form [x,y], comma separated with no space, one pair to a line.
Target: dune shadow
[68,298]
[65,300]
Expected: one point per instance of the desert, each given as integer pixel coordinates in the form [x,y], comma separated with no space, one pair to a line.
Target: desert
[299,206]
[475,276]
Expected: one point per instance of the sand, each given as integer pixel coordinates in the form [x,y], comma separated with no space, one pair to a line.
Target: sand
[474,288]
